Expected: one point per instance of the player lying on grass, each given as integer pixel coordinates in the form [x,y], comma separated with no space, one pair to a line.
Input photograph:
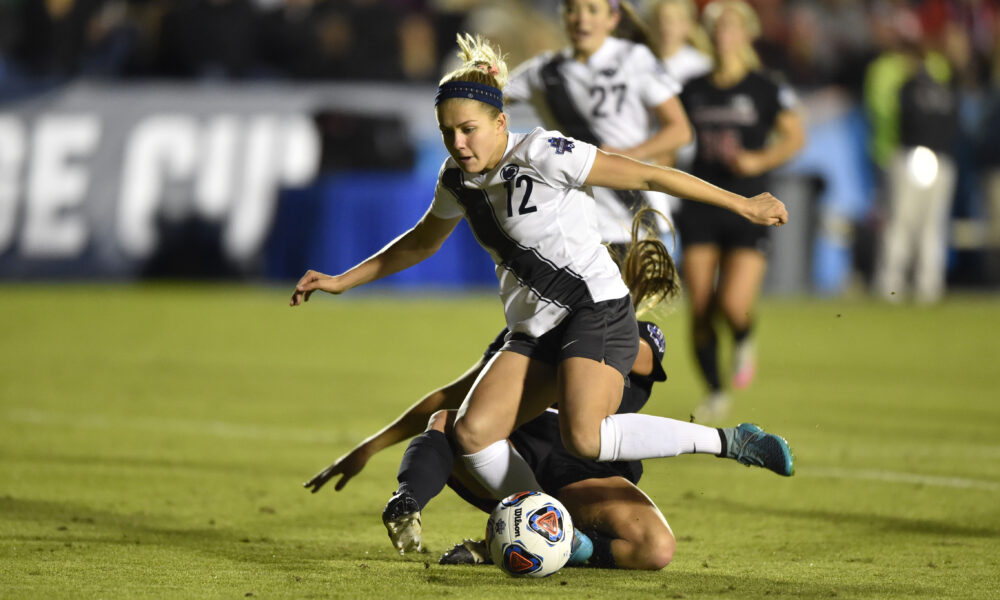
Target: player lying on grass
[572,325]
[623,526]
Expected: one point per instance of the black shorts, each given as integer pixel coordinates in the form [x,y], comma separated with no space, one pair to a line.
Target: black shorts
[602,331]
[699,223]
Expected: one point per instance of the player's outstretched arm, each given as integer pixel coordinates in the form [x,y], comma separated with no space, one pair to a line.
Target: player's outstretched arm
[622,173]
[412,422]
[417,244]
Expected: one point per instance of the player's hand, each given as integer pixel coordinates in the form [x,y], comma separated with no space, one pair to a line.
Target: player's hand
[347,465]
[312,281]
[765,209]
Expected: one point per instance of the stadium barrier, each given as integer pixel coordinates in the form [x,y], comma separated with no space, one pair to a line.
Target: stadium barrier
[265,180]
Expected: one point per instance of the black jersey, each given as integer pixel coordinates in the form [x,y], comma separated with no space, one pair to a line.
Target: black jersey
[727,119]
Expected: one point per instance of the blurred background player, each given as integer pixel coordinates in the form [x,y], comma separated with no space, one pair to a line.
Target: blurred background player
[914,115]
[745,126]
[610,92]
[681,43]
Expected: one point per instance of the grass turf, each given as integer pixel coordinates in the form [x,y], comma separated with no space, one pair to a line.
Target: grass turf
[153,440]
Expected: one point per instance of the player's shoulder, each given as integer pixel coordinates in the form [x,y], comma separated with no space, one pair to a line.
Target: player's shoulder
[449,163]
[773,84]
[541,142]
[636,57]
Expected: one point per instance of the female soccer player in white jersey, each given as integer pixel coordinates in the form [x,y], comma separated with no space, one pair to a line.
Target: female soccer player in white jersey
[566,306]
[623,526]
[745,126]
[609,92]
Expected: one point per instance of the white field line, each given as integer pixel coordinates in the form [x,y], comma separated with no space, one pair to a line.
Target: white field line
[217,429]
[898,477]
[226,430]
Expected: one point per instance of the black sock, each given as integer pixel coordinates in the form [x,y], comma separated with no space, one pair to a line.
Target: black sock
[725,443]
[707,352]
[741,334]
[602,557]
[425,467]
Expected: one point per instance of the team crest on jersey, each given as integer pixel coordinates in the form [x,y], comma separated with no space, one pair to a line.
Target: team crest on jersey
[657,336]
[562,145]
[509,172]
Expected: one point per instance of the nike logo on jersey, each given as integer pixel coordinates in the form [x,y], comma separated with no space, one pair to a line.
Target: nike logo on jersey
[569,343]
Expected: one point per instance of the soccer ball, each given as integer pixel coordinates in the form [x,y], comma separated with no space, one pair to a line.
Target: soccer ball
[530,534]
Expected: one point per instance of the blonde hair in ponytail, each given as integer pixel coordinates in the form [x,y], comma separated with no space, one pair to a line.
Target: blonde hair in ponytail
[482,62]
[648,269]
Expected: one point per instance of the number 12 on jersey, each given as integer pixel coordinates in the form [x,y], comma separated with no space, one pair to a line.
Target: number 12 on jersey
[523,208]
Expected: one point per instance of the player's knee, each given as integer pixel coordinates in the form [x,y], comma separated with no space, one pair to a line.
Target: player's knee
[583,442]
[659,551]
[470,436]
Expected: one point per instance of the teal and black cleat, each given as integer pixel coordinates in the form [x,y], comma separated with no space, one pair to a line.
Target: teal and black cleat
[583,548]
[751,445]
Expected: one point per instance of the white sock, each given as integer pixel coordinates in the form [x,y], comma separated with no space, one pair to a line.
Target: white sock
[501,470]
[636,437]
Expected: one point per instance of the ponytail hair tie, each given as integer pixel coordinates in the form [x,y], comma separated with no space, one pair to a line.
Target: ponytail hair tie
[489,69]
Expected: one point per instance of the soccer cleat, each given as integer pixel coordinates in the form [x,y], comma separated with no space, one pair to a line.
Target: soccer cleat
[583,548]
[467,552]
[751,445]
[744,364]
[714,408]
[401,517]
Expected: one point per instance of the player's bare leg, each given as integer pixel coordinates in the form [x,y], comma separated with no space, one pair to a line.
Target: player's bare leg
[588,391]
[618,512]
[699,267]
[494,407]
[740,279]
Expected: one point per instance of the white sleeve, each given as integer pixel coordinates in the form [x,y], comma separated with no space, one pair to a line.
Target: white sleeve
[655,84]
[563,162]
[523,81]
[445,205]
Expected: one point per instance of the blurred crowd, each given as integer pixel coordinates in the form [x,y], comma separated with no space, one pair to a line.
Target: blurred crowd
[886,56]
[815,43]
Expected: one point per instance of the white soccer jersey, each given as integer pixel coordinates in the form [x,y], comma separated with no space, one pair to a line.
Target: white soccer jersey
[535,217]
[614,93]
[687,63]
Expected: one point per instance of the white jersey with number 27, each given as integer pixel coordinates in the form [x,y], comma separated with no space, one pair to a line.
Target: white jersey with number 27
[535,216]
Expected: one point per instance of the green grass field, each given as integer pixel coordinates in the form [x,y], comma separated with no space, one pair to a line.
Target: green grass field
[153,442]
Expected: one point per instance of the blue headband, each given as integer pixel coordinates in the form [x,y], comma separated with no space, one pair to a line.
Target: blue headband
[470,91]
